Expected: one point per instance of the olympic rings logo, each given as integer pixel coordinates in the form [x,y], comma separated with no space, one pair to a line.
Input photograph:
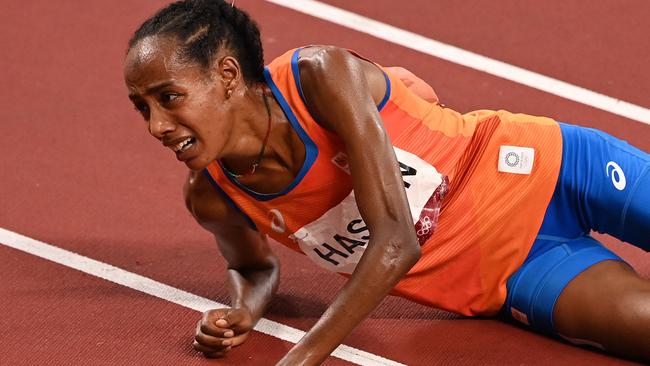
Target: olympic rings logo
[426,226]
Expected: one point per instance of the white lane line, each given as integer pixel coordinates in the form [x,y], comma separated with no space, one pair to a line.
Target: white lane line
[171,294]
[469,59]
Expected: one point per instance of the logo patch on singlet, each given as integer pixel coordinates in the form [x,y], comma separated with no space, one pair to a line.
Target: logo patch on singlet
[617,175]
[336,240]
[341,161]
[516,159]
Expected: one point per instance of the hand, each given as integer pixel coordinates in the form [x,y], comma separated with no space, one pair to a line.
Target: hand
[221,329]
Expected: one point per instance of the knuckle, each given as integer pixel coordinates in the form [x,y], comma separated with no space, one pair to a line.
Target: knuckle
[201,348]
[208,314]
[204,328]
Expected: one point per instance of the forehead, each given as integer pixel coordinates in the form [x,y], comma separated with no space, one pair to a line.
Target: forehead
[154,59]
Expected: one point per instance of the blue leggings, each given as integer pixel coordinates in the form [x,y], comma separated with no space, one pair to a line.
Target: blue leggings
[604,185]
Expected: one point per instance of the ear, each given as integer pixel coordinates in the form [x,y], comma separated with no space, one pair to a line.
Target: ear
[229,72]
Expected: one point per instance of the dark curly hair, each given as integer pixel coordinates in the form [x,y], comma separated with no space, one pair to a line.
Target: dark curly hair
[203,27]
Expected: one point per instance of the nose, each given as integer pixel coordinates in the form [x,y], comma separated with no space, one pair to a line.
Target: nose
[159,125]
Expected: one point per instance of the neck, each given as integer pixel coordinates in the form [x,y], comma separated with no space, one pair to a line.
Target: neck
[254,144]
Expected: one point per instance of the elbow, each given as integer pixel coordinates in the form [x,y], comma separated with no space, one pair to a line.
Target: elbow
[412,253]
[403,253]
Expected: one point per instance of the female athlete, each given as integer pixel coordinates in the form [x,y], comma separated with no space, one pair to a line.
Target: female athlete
[359,168]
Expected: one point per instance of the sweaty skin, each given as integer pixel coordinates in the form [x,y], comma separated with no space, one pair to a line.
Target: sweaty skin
[224,118]
[393,249]
[177,102]
[221,116]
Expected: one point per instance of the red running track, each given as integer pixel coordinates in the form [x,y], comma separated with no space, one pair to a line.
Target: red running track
[79,171]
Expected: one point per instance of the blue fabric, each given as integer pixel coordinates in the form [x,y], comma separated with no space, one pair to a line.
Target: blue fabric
[604,185]
[587,198]
[534,289]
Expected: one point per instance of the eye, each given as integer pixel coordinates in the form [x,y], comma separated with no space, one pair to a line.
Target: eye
[143,108]
[166,98]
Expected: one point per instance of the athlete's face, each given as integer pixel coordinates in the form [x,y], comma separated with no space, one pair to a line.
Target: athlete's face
[184,106]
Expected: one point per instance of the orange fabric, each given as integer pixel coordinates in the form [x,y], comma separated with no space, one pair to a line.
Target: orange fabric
[489,219]
[414,83]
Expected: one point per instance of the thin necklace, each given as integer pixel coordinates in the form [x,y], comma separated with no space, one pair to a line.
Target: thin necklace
[264,142]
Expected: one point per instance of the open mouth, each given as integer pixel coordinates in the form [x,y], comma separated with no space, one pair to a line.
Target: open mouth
[184,145]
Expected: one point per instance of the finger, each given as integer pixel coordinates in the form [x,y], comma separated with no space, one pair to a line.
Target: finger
[222,323]
[210,329]
[210,352]
[205,349]
[212,316]
[238,320]
[239,339]
[211,341]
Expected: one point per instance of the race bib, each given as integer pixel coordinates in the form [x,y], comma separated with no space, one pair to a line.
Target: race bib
[336,240]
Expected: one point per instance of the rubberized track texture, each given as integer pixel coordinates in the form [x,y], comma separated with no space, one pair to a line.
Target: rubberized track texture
[80,172]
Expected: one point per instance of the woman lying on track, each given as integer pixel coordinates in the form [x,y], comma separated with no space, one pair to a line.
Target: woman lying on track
[481,214]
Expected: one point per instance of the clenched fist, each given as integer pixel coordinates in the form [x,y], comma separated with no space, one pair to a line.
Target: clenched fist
[221,329]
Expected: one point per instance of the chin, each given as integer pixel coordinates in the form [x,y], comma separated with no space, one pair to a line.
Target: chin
[197,164]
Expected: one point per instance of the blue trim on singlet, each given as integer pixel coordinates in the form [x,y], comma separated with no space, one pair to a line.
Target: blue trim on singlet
[311,150]
[296,73]
[387,95]
[228,199]
[296,76]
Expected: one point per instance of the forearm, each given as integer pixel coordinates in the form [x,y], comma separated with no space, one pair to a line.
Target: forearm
[360,295]
[253,288]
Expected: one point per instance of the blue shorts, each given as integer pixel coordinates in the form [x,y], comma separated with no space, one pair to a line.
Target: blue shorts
[604,185]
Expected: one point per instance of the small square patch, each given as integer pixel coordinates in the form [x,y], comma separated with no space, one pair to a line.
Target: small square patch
[516,159]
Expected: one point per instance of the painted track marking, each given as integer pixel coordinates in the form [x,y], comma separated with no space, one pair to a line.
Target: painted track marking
[466,58]
[171,294]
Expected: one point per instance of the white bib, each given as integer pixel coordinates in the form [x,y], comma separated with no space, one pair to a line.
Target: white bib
[336,240]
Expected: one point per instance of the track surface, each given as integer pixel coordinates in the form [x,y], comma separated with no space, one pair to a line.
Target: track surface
[79,171]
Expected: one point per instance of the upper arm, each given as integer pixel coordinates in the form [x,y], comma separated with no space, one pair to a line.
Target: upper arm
[342,93]
[243,247]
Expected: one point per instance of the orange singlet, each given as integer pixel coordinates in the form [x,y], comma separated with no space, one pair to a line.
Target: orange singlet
[496,171]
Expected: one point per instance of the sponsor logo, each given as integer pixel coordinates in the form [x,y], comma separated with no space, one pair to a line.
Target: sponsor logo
[512,159]
[516,159]
[277,221]
[617,175]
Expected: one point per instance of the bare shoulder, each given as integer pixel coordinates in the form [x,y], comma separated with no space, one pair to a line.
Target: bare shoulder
[313,52]
[321,55]
[208,207]
[324,59]
[327,71]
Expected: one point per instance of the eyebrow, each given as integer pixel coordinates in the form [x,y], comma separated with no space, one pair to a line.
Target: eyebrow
[153,88]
